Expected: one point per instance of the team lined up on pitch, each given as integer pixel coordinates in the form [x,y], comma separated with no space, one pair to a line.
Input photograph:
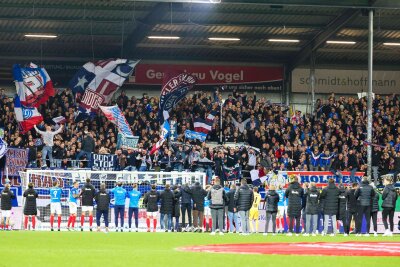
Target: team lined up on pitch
[208,207]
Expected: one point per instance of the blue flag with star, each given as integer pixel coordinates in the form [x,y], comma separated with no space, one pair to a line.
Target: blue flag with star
[82,78]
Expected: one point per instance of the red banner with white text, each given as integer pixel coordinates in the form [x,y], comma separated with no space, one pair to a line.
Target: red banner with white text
[233,77]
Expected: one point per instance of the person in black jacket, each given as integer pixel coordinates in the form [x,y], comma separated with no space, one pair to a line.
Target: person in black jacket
[186,206]
[365,194]
[30,208]
[166,208]
[376,161]
[375,209]
[271,203]
[176,212]
[150,201]
[232,211]
[342,211]
[330,195]
[312,209]
[6,204]
[389,197]
[338,166]
[294,194]
[217,197]
[88,193]
[352,164]
[198,195]
[244,198]
[103,205]
[352,209]
[87,148]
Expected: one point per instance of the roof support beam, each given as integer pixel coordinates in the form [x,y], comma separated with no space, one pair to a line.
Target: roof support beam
[323,36]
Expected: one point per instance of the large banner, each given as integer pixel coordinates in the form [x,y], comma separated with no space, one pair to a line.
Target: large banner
[233,77]
[104,162]
[345,81]
[16,161]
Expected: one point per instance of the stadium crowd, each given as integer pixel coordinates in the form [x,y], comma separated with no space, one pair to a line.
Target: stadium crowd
[332,138]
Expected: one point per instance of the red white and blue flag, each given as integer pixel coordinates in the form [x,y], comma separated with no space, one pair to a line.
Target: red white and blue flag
[165,130]
[33,84]
[114,115]
[205,126]
[98,82]
[174,89]
[59,120]
[26,117]
[3,148]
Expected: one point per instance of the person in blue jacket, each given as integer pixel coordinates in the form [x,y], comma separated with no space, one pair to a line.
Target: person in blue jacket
[119,205]
[314,158]
[134,197]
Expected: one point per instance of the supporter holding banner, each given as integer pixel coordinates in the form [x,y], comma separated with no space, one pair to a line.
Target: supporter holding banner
[114,115]
[33,84]
[97,83]
[127,141]
[174,89]
[26,117]
[104,162]
[192,135]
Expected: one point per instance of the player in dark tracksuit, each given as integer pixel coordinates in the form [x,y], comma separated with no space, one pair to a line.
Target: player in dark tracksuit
[6,204]
[342,212]
[103,205]
[30,208]
[294,194]
[374,210]
[365,193]
[352,208]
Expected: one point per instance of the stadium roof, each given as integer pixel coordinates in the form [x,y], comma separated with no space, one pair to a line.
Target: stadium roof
[87,29]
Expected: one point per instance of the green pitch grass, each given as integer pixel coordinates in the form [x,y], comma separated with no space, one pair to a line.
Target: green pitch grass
[71,249]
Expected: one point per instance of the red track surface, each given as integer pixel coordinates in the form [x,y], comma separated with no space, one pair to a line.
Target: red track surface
[312,249]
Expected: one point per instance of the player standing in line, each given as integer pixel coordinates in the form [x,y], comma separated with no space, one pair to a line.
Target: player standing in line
[88,193]
[73,205]
[134,197]
[6,204]
[30,208]
[103,205]
[282,210]
[119,205]
[150,201]
[55,204]
[254,214]
[207,212]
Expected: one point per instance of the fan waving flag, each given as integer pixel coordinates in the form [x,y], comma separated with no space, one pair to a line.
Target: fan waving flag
[26,117]
[33,84]
[175,88]
[205,126]
[98,82]
[115,115]
[163,136]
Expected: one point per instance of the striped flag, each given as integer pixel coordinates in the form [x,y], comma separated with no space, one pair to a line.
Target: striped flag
[205,126]
[163,136]
[59,120]
[3,148]
[114,114]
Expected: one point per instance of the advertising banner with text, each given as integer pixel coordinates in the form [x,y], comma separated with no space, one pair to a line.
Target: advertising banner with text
[345,81]
[233,77]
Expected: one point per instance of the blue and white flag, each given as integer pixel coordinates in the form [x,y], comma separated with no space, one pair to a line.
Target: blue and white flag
[192,135]
[3,148]
[98,82]
[115,116]
[163,136]
[175,88]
